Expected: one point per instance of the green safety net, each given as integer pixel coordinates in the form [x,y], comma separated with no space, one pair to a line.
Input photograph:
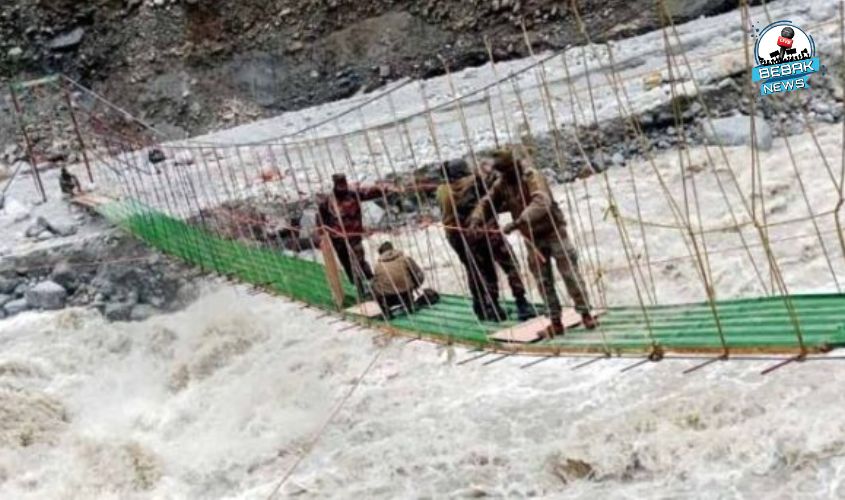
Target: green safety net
[768,324]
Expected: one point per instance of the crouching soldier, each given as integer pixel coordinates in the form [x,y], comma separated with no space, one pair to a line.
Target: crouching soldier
[396,279]
[523,191]
[69,184]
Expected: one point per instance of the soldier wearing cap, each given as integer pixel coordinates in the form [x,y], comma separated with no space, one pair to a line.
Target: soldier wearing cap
[523,191]
[342,220]
[479,253]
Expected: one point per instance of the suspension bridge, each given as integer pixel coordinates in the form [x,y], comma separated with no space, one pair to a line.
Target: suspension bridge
[684,251]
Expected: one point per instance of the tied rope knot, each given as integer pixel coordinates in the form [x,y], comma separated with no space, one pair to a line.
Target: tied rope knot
[613,210]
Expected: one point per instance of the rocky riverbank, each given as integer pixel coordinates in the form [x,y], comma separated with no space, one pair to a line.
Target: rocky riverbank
[111,272]
[191,65]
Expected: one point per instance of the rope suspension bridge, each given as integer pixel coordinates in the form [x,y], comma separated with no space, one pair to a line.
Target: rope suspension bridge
[685,253]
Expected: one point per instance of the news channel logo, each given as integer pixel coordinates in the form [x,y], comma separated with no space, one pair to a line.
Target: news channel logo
[786,57]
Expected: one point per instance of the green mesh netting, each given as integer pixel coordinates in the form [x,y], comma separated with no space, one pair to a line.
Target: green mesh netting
[760,324]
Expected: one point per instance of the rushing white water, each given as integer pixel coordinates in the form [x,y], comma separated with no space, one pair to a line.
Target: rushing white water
[219,400]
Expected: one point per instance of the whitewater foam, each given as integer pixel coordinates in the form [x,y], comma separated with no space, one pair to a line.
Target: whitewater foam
[94,413]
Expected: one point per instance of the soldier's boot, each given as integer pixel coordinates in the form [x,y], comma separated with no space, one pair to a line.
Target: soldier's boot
[490,312]
[524,310]
[482,312]
[555,329]
[478,309]
[589,321]
[364,294]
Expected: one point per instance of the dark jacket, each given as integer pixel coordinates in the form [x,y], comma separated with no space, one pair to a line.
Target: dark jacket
[458,199]
[395,273]
[68,182]
[341,214]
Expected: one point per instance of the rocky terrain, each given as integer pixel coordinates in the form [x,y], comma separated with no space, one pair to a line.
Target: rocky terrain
[110,272]
[193,65]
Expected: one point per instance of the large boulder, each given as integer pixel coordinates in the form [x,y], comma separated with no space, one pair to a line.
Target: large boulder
[5,299]
[118,311]
[65,275]
[142,312]
[16,306]
[67,41]
[8,285]
[57,227]
[15,209]
[736,131]
[34,230]
[45,229]
[47,295]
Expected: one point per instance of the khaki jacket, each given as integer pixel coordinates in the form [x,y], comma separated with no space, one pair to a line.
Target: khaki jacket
[530,203]
[395,273]
[459,198]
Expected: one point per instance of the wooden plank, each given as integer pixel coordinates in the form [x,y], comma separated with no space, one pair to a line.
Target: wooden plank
[332,271]
[91,200]
[572,318]
[523,333]
[531,330]
[369,310]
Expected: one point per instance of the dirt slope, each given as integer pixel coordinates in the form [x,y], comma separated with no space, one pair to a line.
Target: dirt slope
[193,65]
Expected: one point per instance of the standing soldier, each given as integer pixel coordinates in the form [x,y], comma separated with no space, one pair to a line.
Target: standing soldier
[479,253]
[522,191]
[342,220]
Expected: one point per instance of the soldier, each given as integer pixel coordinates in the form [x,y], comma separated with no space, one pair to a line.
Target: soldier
[396,279]
[479,253]
[502,252]
[522,191]
[340,215]
[68,183]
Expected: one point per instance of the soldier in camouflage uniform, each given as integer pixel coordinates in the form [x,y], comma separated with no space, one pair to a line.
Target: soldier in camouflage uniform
[479,253]
[342,220]
[524,192]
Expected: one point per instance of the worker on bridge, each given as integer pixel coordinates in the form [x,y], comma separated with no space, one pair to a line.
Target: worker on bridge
[342,220]
[396,278]
[524,192]
[479,253]
[69,183]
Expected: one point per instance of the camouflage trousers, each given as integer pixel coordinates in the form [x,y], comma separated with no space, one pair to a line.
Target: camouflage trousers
[503,256]
[482,281]
[350,253]
[480,255]
[562,253]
